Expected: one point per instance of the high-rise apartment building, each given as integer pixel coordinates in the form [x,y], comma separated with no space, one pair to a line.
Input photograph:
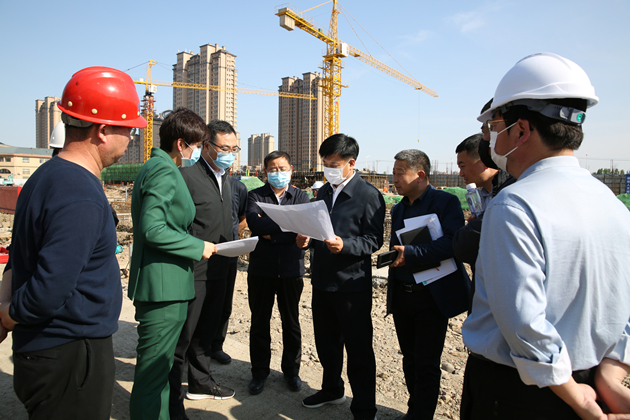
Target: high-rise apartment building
[47,115]
[259,146]
[301,122]
[213,66]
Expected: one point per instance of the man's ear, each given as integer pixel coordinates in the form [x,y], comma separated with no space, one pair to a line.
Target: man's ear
[525,130]
[101,132]
[421,176]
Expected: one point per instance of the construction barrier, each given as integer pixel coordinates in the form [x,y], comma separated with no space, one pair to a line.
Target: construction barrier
[8,198]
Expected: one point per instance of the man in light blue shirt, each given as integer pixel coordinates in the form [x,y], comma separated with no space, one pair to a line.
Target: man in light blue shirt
[553,272]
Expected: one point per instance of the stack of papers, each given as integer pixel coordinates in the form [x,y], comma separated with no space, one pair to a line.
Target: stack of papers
[238,247]
[309,219]
[435,228]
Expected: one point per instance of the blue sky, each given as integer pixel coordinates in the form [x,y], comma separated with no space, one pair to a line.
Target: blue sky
[460,49]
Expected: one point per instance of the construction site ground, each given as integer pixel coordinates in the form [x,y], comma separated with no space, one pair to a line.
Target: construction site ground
[276,401]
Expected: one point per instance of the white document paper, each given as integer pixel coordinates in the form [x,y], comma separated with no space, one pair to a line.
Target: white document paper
[236,248]
[435,229]
[309,219]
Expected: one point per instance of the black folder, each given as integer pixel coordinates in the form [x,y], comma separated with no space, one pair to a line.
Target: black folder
[418,236]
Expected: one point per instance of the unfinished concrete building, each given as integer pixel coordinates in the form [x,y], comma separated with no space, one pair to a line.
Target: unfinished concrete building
[47,115]
[213,66]
[301,122]
[259,146]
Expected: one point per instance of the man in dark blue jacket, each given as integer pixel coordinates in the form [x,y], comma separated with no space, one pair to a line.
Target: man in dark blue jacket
[342,279]
[276,267]
[65,293]
[421,312]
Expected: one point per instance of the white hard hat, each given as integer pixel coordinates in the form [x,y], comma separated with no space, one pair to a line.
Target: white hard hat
[539,77]
[58,136]
[317,185]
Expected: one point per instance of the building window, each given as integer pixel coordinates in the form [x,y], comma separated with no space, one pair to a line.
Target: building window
[26,171]
[25,160]
[42,160]
[7,159]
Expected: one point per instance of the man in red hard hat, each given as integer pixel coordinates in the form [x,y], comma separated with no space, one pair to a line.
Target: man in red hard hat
[64,295]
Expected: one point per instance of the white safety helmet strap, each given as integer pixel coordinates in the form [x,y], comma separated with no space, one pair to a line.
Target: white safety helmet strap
[548,109]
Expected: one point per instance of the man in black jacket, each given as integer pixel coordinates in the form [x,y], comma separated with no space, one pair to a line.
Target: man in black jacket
[239,207]
[342,279]
[210,189]
[420,311]
[276,267]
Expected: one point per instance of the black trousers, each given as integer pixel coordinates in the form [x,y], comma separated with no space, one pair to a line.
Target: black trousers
[261,293]
[194,344]
[219,337]
[71,381]
[421,330]
[495,391]
[345,319]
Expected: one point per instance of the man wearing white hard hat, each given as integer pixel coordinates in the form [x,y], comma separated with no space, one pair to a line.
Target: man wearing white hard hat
[553,279]
[57,138]
[315,188]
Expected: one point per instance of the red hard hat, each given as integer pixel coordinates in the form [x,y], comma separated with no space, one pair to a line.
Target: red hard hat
[102,95]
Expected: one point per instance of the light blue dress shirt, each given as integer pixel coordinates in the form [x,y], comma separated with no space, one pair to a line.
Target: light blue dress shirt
[553,275]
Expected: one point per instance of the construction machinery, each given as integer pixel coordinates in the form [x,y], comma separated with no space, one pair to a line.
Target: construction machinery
[151,87]
[290,18]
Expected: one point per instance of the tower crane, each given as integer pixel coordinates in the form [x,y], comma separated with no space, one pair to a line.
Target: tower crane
[335,51]
[151,87]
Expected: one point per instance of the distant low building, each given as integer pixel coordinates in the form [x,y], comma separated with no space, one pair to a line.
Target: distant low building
[259,146]
[21,162]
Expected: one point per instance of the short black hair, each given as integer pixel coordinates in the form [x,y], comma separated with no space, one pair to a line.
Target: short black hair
[219,126]
[556,135]
[470,145]
[276,154]
[183,124]
[341,144]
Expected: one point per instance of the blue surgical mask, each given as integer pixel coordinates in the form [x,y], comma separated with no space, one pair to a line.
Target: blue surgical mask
[279,179]
[224,160]
[193,158]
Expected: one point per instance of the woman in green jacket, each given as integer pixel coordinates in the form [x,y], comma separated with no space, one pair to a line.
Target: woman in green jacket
[161,275]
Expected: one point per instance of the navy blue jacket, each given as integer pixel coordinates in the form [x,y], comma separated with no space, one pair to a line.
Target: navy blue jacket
[450,293]
[239,207]
[280,256]
[66,279]
[357,218]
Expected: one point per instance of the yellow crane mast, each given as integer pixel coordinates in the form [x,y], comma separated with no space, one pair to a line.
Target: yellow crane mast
[151,88]
[335,51]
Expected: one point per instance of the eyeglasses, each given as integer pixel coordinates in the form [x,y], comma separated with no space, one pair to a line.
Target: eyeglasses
[227,149]
[282,169]
[491,124]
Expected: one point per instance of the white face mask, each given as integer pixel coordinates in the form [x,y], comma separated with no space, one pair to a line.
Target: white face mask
[500,160]
[335,175]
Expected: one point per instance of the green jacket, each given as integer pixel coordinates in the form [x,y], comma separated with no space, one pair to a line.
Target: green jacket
[163,252]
